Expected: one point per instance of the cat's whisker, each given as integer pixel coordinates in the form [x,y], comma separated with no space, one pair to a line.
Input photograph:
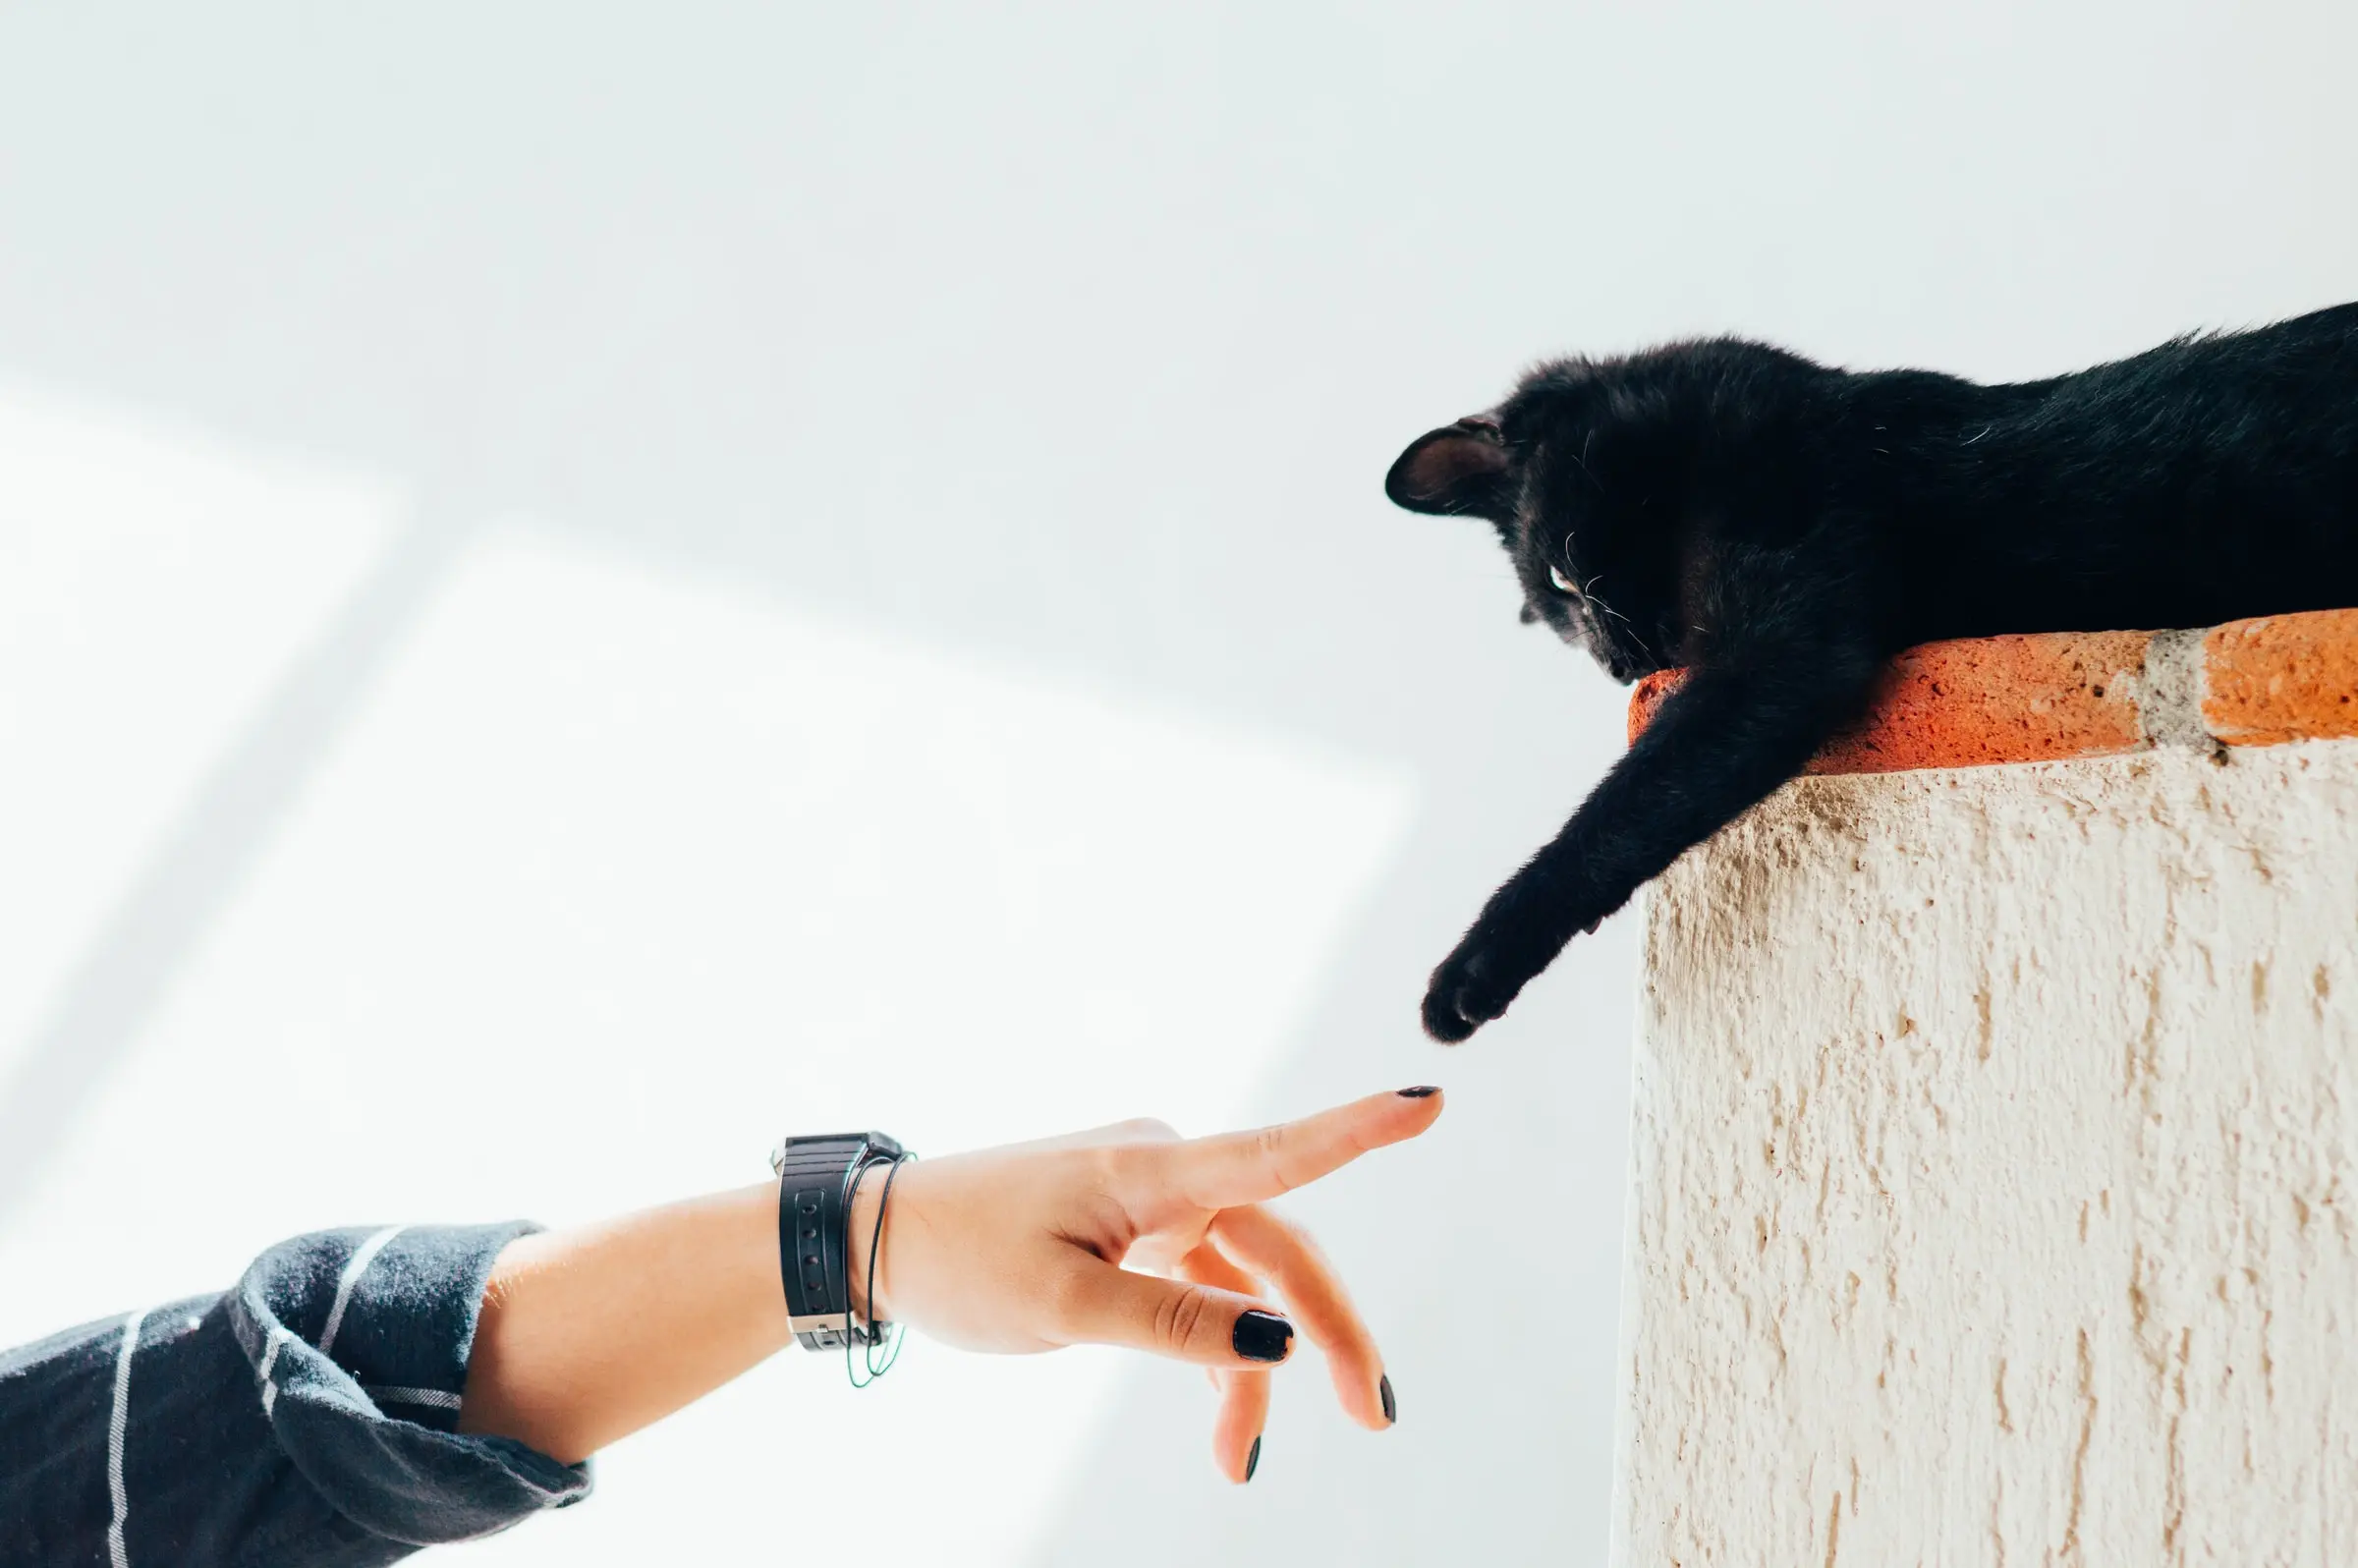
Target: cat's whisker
[1625,621]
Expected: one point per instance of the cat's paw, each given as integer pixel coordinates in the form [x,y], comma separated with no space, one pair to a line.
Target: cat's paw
[1481,979]
[1467,991]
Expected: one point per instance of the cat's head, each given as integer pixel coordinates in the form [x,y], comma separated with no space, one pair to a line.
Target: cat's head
[1583,484]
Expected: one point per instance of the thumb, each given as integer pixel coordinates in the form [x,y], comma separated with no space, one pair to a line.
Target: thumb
[1110,1305]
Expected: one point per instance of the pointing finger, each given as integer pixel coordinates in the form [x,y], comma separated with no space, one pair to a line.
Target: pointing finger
[1238,1168]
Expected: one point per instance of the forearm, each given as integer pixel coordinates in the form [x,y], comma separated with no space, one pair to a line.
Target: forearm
[589,1334]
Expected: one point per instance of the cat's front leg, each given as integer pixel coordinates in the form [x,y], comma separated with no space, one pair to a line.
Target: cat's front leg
[1519,933]
[1723,741]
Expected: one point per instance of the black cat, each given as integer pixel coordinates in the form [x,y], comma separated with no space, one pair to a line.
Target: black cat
[1780,529]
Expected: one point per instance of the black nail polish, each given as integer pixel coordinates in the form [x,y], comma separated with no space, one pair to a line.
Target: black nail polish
[1261,1336]
[1420,1092]
[1391,1406]
[1253,1459]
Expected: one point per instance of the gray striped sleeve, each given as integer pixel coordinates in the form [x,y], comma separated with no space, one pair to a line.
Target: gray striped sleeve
[308,1415]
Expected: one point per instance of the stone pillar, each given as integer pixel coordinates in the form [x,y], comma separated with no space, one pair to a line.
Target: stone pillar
[1995,1190]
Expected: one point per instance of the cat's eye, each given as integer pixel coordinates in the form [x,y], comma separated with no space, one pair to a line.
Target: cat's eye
[1563,583]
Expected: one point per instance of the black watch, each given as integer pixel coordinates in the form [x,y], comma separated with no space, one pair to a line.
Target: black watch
[816,1177]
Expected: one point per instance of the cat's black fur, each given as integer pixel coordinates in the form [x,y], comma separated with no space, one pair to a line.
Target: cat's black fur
[1780,529]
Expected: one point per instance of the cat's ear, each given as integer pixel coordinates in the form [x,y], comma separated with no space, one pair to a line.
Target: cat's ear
[1459,470]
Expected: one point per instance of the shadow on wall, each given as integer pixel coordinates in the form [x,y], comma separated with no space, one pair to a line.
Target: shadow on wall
[144,941]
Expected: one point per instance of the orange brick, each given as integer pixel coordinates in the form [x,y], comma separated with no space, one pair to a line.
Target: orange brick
[1980,701]
[2283,678]
[1998,700]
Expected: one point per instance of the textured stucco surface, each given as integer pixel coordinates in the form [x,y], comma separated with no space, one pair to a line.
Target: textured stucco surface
[1995,1164]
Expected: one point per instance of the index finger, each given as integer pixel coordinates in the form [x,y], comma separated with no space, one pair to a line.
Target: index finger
[1233,1169]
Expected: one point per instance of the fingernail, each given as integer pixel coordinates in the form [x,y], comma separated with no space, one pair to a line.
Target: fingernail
[1261,1336]
[1421,1092]
[1391,1406]
[1253,1459]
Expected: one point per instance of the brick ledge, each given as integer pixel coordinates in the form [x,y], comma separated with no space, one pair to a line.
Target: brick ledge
[2052,696]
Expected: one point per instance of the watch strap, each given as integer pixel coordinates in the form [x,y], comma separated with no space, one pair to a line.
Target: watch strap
[817,1179]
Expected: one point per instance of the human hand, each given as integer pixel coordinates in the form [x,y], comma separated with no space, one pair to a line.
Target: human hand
[1128,1235]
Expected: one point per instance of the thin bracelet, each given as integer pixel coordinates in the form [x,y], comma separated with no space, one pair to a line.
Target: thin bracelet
[876,1245]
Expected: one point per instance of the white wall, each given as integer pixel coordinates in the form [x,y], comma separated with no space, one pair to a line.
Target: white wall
[1992,1172]
[498,440]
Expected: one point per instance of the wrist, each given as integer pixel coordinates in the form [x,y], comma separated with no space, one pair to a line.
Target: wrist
[749,1270]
